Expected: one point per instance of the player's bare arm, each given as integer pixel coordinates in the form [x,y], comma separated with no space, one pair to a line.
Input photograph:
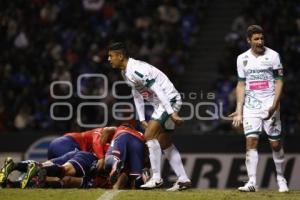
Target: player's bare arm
[276,101]
[100,164]
[106,134]
[144,124]
[237,116]
[176,118]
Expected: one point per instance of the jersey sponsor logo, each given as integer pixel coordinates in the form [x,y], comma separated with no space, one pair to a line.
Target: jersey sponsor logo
[256,71]
[258,85]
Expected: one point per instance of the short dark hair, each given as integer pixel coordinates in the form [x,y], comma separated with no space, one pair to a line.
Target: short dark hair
[120,47]
[254,29]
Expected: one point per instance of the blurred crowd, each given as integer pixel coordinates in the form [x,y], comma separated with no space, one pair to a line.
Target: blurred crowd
[57,40]
[281,22]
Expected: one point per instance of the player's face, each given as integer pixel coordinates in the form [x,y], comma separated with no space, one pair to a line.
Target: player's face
[115,59]
[257,43]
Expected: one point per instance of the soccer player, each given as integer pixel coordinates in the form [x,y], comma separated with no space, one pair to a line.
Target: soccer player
[126,153]
[258,94]
[83,141]
[75,163]
[88,141]
[150,84]
[74,169]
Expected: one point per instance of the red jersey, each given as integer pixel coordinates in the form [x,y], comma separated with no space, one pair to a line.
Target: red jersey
[124,129]
[90,141]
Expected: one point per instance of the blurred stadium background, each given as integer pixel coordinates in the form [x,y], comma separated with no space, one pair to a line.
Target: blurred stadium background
[195,42]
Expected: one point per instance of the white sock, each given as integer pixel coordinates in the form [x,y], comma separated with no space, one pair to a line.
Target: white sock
[251,164]
[155,157]
[278,158]
[175,161]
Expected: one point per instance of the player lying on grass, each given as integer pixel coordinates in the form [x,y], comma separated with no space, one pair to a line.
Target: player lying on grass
[33,173]
[73,164]
[61,150]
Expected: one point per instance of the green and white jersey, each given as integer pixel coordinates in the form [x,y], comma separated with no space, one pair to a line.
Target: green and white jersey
[260,74]
[149,83]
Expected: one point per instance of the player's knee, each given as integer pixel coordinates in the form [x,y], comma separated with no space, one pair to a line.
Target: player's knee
[276,145]
[152,130]
[67,180]
[148,136]
[69,169]
[251,143]
[164,140]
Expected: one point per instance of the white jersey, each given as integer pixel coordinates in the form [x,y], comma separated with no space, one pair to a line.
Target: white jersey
[149,83]
[260,74]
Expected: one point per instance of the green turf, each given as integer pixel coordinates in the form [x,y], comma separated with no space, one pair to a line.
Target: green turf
[207,195]
[94,194]
[47,194]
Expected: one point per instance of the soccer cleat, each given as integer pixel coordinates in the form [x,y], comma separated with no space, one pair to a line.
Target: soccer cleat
[152,183]
[115,172]
[248,187]
[146,175]
[6,170]
[282,184]
[180,185]
[32,170]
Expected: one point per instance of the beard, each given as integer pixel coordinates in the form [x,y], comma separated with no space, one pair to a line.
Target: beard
[259,49]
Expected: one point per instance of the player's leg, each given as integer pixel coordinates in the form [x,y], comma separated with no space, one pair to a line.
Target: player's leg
[115,157]
[78,166]
[32,170]
[135,160]
[252,130]
[173,156]
[10,166]
[160,121]
[155,153]
[273,130]
[56,168]
[6,169]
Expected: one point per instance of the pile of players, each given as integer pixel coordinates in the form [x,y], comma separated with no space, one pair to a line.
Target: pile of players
[109,157]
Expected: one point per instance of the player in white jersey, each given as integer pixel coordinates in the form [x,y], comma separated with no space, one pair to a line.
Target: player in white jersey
[150,84]
[258,97]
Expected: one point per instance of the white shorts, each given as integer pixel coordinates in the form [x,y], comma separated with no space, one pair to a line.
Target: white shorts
[253,126]
[161,115]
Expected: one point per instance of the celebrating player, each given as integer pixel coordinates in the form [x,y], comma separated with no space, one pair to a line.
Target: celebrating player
[258,95]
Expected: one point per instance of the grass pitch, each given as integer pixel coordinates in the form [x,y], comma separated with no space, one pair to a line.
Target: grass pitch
[95,194]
